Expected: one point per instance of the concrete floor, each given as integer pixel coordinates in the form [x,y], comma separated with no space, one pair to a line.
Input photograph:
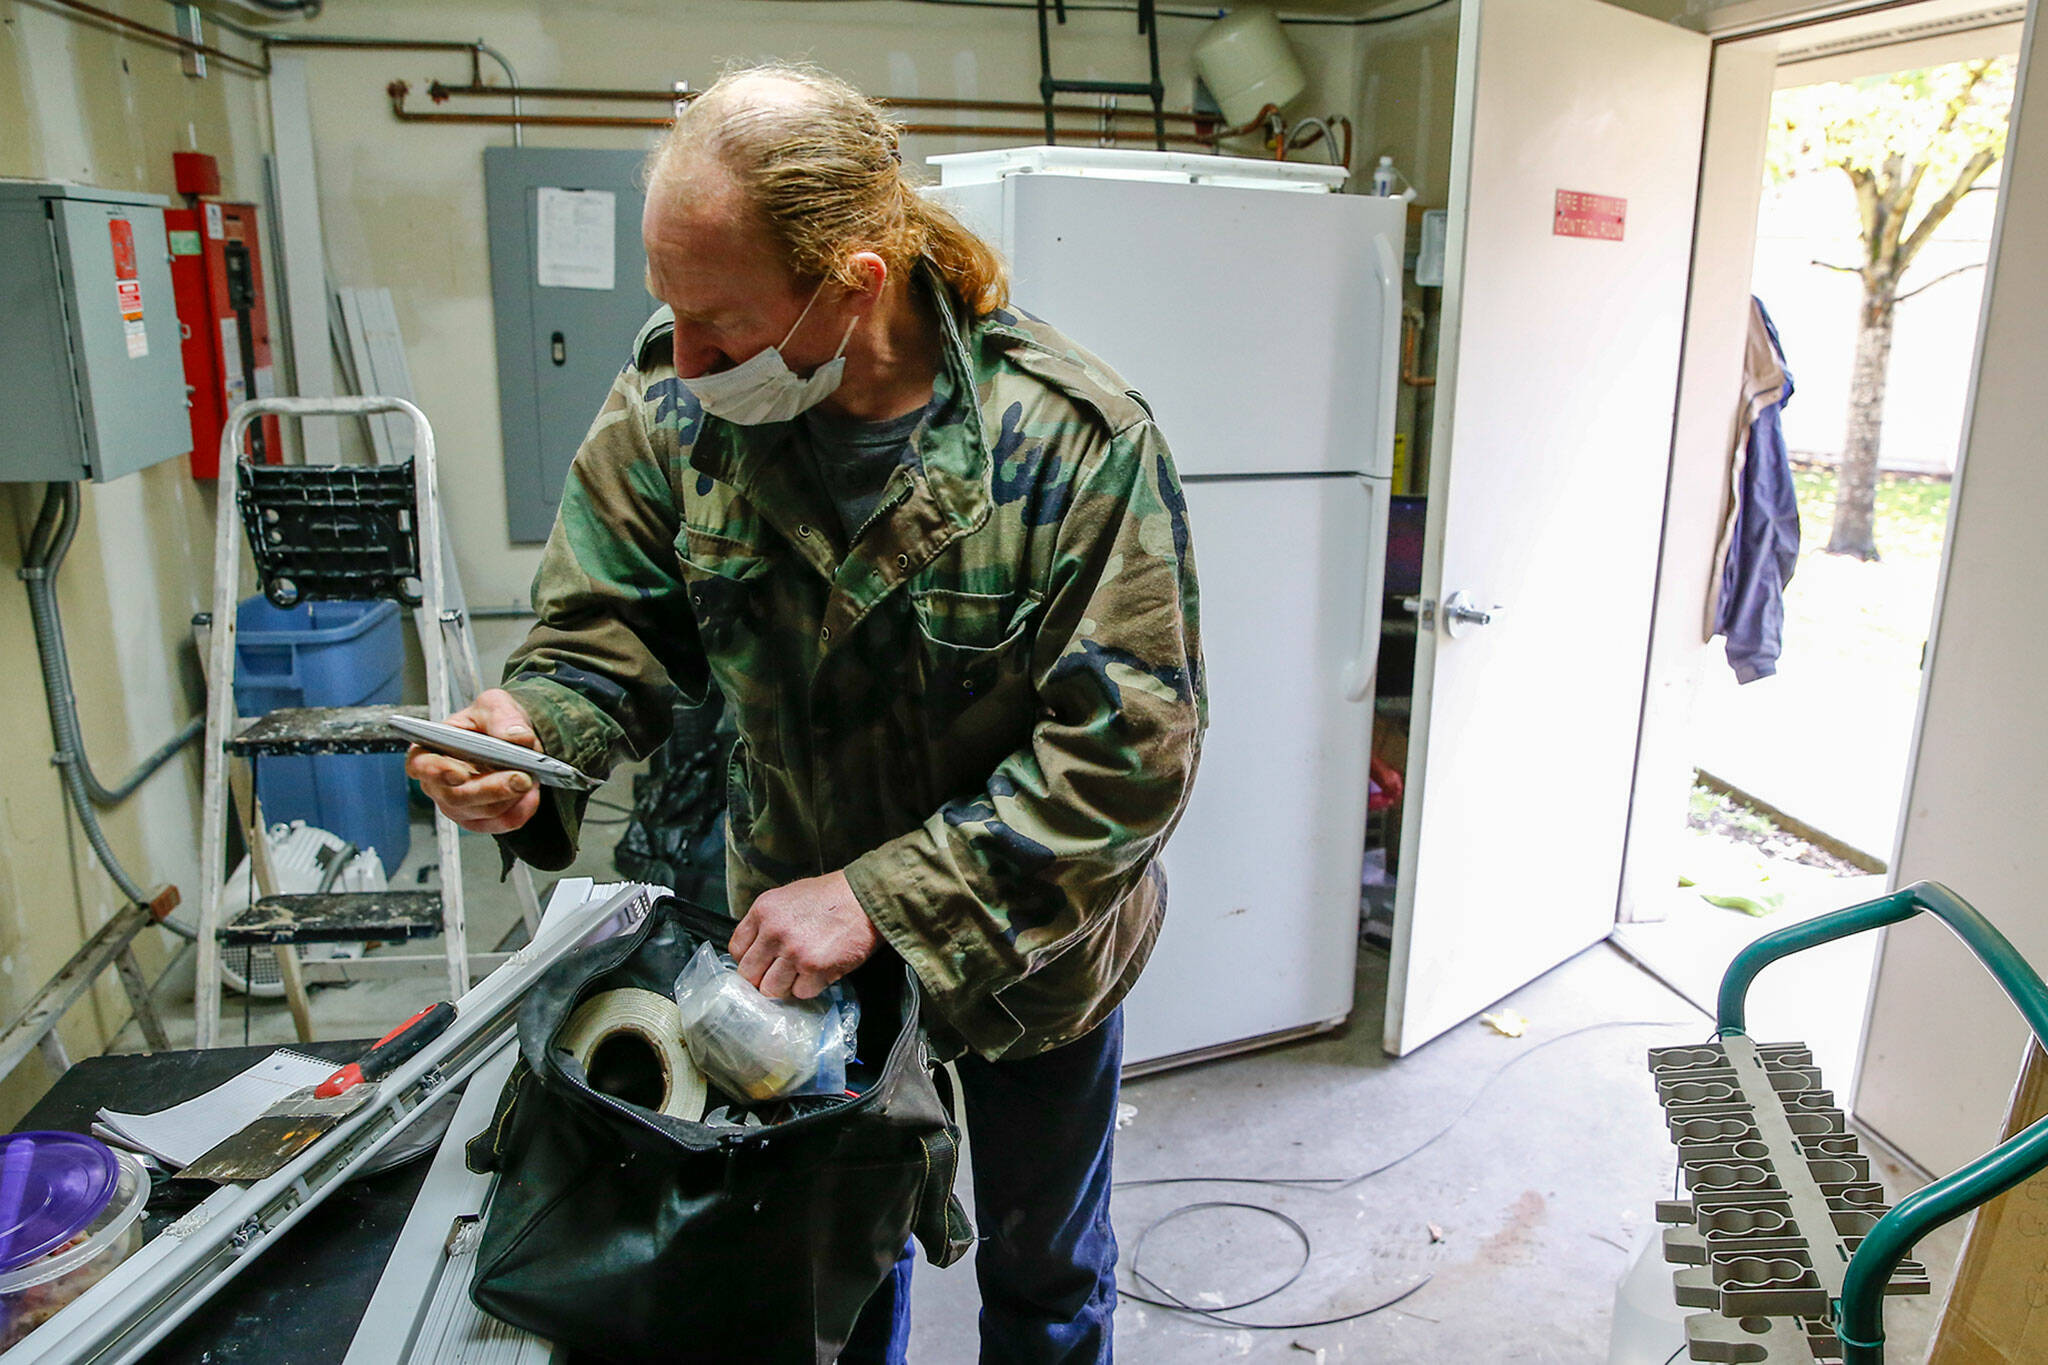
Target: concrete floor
[1539,1193]
[1523,1215]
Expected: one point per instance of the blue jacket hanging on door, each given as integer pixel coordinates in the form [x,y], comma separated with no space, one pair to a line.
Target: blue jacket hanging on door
[1760,546]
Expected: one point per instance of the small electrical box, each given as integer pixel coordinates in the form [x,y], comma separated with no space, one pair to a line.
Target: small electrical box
[90,369]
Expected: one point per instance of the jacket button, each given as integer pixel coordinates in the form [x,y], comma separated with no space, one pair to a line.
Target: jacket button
[824,632]
[804,531]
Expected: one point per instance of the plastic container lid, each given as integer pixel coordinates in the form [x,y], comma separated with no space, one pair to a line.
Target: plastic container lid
[52,1186]
[101,1236]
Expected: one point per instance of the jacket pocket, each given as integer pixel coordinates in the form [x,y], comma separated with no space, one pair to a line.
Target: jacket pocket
[734,597]
[971,645]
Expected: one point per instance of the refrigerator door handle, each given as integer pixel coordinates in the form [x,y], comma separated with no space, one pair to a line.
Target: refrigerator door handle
[1386,269]
[1363,671]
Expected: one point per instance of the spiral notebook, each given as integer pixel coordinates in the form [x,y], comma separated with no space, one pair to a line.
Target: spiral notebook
[178,1135]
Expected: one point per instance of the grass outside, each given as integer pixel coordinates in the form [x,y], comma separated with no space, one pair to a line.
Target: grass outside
[1912,511]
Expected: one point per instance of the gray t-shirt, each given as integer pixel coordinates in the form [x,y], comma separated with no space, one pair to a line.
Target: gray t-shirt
[854,458]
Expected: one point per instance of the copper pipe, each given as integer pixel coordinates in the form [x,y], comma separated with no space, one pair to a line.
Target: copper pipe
[1411,328]
[398,91]
[376,44]
[163,37]
[440,92]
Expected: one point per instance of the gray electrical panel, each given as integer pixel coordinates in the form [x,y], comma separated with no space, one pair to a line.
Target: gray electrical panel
[567,285]
[92,376]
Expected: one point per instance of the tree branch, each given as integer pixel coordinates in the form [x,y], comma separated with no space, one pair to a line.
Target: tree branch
[1867,206]
[1980,161]
[1946,274]
[1830,265]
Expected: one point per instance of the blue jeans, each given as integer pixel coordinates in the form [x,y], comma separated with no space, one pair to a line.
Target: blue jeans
[1040,1132]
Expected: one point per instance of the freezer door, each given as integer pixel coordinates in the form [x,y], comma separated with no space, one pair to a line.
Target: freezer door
[1263,328]
[1262,915]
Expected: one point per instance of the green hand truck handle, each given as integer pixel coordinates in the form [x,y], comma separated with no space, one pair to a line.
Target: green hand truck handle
[1859,1314]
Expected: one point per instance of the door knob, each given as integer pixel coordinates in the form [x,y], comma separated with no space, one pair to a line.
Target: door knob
[1462,615]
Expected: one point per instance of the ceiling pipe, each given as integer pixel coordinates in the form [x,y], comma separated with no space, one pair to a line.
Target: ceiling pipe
[398,90]
[164,37]
[476,48]
[1204,133]
[440,93]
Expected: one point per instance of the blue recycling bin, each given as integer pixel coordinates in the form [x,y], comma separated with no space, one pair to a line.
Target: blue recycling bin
[326,654]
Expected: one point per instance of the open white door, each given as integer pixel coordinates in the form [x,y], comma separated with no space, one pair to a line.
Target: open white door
[1575,160]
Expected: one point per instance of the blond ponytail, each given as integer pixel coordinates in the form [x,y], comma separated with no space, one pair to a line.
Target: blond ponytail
[819,163]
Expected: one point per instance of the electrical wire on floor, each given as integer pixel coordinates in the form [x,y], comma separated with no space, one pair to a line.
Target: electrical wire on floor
[1167,1299]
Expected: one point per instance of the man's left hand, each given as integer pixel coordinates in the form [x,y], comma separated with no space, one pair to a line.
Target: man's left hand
[798,939]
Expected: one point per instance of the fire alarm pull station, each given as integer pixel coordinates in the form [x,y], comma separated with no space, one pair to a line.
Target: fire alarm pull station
[217,274]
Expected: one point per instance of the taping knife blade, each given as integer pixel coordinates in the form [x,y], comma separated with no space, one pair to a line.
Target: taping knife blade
[265,1145]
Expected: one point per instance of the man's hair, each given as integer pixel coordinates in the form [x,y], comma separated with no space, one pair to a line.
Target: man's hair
[818,163]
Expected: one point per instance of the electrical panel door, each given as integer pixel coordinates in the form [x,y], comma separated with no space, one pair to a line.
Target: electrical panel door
[90,368]
[568,287]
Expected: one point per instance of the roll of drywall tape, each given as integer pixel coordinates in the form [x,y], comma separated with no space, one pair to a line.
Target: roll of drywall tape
[630,1045]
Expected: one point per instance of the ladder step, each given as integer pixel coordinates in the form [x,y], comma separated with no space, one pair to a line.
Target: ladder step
[324,730]
[337,917]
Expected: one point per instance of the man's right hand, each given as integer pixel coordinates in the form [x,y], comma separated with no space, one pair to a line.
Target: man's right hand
[481,800]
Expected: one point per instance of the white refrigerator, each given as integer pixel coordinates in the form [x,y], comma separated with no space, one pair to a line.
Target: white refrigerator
[1258,311]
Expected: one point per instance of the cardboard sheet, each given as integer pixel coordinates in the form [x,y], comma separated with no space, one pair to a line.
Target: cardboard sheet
[1997,1310]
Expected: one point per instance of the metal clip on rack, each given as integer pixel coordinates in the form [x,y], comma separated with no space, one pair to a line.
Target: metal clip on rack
[1786,1239]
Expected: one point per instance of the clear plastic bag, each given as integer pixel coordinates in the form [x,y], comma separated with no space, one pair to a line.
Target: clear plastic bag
[756,1048]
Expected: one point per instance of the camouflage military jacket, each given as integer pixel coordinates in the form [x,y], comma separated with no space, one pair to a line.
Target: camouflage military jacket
[986,709]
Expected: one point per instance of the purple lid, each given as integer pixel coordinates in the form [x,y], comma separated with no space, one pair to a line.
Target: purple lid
[52,1185]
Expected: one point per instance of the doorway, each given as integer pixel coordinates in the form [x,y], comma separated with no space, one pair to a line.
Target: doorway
[1791,736]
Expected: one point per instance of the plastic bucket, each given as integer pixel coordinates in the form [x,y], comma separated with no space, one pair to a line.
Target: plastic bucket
[326,654]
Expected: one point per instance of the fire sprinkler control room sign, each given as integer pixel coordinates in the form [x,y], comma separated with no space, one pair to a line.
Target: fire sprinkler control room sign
[1600,216]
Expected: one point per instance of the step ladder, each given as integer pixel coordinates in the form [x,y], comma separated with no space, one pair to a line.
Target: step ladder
[329,533]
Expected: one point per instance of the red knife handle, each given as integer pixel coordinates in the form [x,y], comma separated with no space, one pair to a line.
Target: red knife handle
[389,1051]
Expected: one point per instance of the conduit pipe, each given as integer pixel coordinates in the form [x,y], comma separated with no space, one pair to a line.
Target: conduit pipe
[49,542]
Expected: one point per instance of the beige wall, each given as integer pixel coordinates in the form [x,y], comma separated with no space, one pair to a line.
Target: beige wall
[1943,1047]
[1407,75]
[77,103]
[403,205]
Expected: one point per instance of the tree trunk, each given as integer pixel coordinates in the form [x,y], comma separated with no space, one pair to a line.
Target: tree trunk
[1855,526]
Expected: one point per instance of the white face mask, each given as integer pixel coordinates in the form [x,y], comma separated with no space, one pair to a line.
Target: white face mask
[764,389]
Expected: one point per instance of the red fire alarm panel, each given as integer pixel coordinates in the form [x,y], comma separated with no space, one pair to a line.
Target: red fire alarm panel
[217,276]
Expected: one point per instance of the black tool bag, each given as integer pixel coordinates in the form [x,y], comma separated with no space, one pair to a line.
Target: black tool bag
[622,1232]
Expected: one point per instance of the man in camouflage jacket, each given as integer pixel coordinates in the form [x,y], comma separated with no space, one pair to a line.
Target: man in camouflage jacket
[987,711]
[953,614]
